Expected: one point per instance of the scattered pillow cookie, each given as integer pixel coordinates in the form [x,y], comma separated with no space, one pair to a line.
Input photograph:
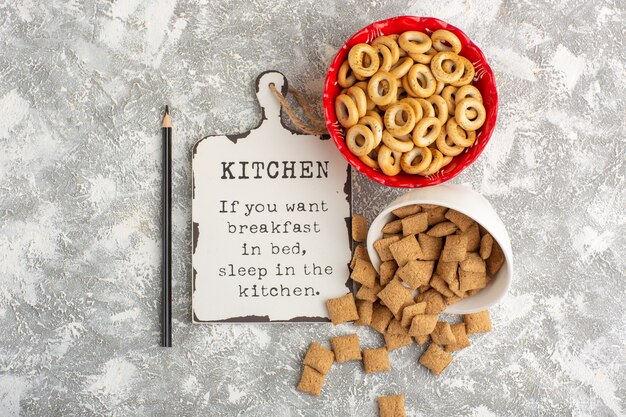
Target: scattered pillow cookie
[423,324]
[396,296]
[430,246]
[319,358]
[364,311]
[462,221]
[486,244]
[393,227]
[441,286]
[473,237]
[369,294]
[311,381]
[442,229]
[406,211]
[391,406]
[460,338]
[435,359]
[364,273]
[436,214]
[342,309]
[382,247]
[454,249]
[359,228]
[442,335]
[472,280]
[435,303]
[410,312]
[405,250]
[477,322]
[416,273]
[422,340]
[360,252]
[495,260]
[381,317]
[396,328]
[346,348]
[397,341]
[376,360]
[387,271]
[415,224]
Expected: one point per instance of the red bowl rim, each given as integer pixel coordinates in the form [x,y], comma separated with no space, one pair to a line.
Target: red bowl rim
[405,180]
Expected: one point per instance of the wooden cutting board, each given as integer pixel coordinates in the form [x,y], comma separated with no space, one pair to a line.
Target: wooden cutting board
[270,216]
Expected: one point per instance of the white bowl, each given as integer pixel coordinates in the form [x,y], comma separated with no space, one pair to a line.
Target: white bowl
[467,201]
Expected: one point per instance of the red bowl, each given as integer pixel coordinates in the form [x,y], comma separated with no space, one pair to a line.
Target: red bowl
[484,81]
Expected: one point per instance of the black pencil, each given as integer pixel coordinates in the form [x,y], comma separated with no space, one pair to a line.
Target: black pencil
[166,244]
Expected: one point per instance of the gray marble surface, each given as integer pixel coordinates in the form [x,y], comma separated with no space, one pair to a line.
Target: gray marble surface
[81,90]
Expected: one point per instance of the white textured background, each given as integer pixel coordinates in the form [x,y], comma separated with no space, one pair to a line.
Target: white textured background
[82,85]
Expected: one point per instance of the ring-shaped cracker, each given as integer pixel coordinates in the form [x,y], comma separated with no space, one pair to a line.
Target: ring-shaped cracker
[467,91]
[463,118]
[407,161]
[448,66]
[424,58]
[440,86]
[435,164]
[356,58]
[371,159]
[401,67]
[346,111]
[375,125]
[360,99]
[401,52]
[363,86]
[370,162]
[416,106]
[420,74]
[366,145]
[440,36]
[414,42]
[399,126]
[374,85]
[448,149]
[446,161]
[422,137]
[427,109]
[436,66]
[468,73]
[441,108]
[449,94]
[375,115]
[389,161]
[407,88]
[387,60]
[343,79]
[402,94]
[391,44]
[395,144]
[458,135]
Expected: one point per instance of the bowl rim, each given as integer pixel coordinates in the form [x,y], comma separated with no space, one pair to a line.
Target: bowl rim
[506,248]
[413,181]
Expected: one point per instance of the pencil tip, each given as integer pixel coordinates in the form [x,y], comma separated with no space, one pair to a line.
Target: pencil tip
[167,122]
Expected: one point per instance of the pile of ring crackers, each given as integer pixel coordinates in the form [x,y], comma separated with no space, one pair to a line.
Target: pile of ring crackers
[408,103]
[431,256]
